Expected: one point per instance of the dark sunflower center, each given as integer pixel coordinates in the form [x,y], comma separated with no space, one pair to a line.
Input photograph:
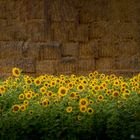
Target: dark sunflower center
[16,71]
[63,91]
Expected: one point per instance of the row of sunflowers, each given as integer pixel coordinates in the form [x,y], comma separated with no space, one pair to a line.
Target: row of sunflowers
[69,107]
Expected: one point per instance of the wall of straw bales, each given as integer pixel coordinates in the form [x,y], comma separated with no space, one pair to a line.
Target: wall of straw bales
[70,36]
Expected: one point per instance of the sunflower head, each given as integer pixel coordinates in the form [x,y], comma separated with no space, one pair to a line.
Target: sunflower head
[45,102]
[90,111]
[30,112]
[23,107]
[28,95]
[62,91]
[69,109]
[83,108]
[26,102]
[100,97]
[15,108]
[80,87]
[2,89]
[79,118]
[43,90]
[115,93]
[21,97]
[83,101]
[37,81]
[73,95]
[28,81]
[16,72]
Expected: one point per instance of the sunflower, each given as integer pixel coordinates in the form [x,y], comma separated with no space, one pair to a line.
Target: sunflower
[102,76]
[46,84]
[96,88]
[16,72]
[104,85]
[108,92]
[91,102]
[1,94]
[95,73]
[45,102]
[70,85]
[21,97]
[90,75]
[73,95]
[73,76]
[28,81]
[125,95]
[116,83]
[115,93]
[28,95]
[90,111]
[84,81]
[101,87]
[37,81]
[23,107]
[30,112]
[79,118]
[52,83]
[2,89]
[49,93]
[26,102]
[83,108]
[15,108]
[100,97]
[69,109]
[62,91]
[112,76]
[80,87]
[43,90]
[56,101]
[134,88]
[83,101]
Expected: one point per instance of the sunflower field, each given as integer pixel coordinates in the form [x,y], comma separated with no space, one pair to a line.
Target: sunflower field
[69,107]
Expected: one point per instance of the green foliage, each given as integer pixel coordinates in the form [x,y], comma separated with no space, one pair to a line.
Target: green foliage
[44,116]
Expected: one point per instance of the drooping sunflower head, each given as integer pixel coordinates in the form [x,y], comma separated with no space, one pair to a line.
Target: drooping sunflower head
[16,72]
